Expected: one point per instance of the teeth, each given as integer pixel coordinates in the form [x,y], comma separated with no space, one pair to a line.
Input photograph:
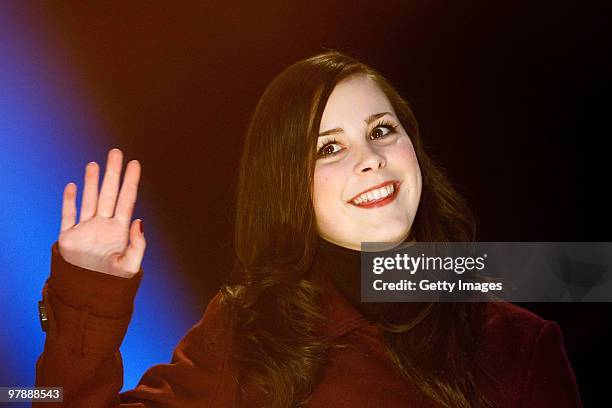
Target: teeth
[375,194]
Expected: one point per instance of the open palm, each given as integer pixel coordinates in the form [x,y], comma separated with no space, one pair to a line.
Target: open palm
[105,239]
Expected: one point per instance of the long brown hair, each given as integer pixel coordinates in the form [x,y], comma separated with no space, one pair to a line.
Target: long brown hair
[272,303]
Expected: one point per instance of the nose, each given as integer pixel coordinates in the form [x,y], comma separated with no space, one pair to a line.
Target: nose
[369,160]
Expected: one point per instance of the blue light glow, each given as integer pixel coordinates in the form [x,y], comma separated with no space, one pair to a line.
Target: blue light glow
[49,130]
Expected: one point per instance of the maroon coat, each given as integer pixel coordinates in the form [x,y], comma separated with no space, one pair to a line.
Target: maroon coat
[89,313]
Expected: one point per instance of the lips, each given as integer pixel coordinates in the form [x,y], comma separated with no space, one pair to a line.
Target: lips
[377,195]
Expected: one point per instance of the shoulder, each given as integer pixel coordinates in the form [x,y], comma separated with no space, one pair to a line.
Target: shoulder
[507,319]
[201,368]
[212,336]
[216,318]
[219,318]
[526,355]
[510,330]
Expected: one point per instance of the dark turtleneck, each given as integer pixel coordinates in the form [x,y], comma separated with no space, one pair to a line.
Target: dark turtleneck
[343,266]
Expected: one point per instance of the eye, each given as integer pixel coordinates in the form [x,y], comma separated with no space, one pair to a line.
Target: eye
[328,149]
[378,132]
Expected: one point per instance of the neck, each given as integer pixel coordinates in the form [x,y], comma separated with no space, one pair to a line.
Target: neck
[375,247]
[343,266]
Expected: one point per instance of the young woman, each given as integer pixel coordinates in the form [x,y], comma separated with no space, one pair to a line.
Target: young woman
[332,158]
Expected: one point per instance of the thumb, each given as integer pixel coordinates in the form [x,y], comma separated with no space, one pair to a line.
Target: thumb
[134,253]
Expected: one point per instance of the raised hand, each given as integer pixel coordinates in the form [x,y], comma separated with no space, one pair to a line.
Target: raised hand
[105,239]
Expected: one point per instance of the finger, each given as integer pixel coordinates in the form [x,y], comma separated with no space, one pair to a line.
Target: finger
[110,184]
[68,207]
[134,253]
[90,191]
[128,193]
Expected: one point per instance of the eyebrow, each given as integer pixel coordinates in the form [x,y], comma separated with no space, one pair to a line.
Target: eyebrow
[367,120]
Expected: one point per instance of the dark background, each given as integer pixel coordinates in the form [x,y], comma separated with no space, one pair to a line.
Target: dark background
[512,99]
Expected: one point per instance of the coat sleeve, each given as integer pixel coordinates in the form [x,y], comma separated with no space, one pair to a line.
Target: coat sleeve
[88,316]
[550,380]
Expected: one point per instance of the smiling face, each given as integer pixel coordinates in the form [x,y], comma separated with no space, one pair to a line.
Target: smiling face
[367,181]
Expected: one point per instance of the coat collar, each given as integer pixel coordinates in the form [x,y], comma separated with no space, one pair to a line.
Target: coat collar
[343,317]
[337,270]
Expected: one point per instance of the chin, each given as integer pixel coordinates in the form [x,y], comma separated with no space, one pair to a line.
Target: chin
[387,236]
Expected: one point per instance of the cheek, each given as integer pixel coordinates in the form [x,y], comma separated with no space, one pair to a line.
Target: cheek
[323,190]
[329,183]
[404,154]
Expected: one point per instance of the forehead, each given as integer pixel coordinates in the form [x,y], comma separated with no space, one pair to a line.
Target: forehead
[353,99]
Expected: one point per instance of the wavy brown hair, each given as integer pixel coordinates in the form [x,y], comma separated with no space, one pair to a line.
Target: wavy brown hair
[272,303]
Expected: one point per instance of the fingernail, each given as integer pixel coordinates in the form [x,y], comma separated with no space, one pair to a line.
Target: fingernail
[141,224]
